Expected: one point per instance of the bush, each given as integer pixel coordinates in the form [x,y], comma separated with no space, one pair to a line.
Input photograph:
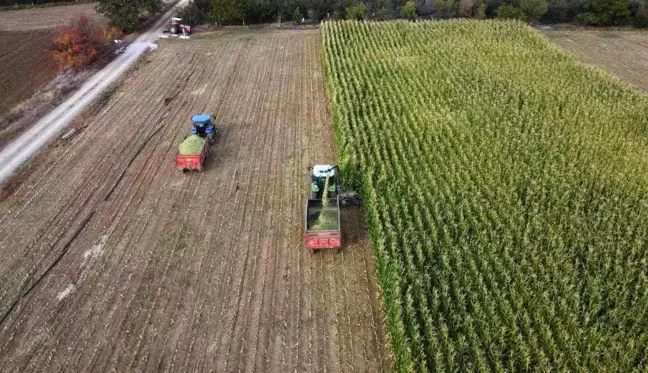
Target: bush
[564,10]
[125,14]
[466,8]
[409,10]
[382,10]
[641,19]
[78,44]
[297,15]
[226,11]
[445,8]
[481,11]
[112,33]
[606,13]
[507,11]
[195,12]
[356,11]
[533,9]
[383,14]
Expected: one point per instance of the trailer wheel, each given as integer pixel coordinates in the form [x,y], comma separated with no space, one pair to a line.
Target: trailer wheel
[315,251]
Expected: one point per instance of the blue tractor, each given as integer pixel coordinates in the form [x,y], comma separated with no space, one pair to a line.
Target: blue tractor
[203,126]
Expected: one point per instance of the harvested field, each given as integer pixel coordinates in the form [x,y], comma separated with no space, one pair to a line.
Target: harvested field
[623,53]
[26,66]
[113,260]
[46,18]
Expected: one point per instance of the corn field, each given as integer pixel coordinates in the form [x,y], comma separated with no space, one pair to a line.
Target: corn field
[506,188]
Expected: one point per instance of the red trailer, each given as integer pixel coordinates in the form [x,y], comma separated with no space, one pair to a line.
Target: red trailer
[323,225]
[189,162]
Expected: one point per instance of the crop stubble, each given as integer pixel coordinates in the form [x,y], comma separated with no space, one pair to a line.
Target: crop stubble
[191,272]
[26,66]
[623,53]
[47,18]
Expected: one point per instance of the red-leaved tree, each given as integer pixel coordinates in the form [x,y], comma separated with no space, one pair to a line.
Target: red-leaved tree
[77,44]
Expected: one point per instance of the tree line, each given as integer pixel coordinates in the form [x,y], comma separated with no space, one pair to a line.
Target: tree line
[125,13]
[588,12]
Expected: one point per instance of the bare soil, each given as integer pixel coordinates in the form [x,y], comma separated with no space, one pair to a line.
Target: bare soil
[621,52]
[46,18]
[113,260]
[26,66]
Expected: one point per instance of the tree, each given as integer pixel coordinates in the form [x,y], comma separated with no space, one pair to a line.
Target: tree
[445,8]
[481,11]
[382,10]
[409,10]
[507,11]
[78,44]
[641,19]
[564,10]
[125,13]
[356,11]
[227,11]
[533,9]
[606,12]
[466,8]
[195,12]
[297,15]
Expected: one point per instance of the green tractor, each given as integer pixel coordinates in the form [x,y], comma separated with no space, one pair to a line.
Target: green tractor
[319,173]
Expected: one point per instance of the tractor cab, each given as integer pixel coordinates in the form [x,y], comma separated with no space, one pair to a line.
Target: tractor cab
[202,125]
[177,27]
[319,173]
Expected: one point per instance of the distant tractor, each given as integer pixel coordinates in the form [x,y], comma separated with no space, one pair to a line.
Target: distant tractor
[177,27]
[322,221]
[195,148]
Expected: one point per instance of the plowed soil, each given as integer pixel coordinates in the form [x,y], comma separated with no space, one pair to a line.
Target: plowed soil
[46,18]
[26,64]
[113,260]
[623,53]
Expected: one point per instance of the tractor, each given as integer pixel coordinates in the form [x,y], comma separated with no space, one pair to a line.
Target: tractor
[318,176]
[322,223]
[203,126]
[177,27]
[319,173]
[194,150]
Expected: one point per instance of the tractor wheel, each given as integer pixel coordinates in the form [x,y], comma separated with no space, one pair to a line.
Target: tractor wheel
[173,30]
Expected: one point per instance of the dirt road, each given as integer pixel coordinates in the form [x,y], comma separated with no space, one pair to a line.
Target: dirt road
[115,260]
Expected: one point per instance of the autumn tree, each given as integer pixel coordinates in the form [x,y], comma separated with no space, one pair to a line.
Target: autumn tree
[77,44]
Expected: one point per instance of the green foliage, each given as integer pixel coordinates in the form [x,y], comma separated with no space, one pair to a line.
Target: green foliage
[480,13]
[125,14]
[606,13]
[357,11]
[564,10]
[382,10]
[445,8]
[297,15]
[640,19]
[227,12]
[466,8]
[409,10]
[505,189]
[195,12]
[533,9]
[507,11]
